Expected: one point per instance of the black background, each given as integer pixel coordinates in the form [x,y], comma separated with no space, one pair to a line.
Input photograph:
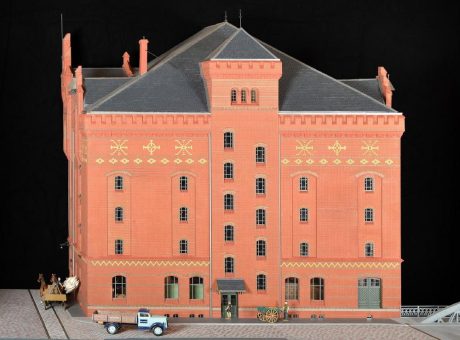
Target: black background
[418,43]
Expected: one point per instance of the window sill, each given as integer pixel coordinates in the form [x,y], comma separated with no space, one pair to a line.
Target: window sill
[303,222]
[229,274]
[183,222]
[262,292]
[261,226]
[119,190]
[261,258]
[228,149]
[230,243]
[260,164]
[260,195]
[196,301]
[172,300]
[303,191]
[368,191]
[183,191]
[228,180]
[229,211]
[368,222]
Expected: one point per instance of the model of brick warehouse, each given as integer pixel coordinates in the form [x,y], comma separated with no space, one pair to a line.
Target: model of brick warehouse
[225,172]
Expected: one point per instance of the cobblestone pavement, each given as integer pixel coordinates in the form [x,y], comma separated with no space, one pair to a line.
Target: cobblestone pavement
[18,316]
[49,317]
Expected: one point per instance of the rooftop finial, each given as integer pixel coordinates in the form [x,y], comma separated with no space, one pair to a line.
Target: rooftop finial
[240,17]
[62,28]
[225,16]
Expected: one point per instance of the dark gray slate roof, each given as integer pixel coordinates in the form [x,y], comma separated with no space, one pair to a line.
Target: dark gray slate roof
[241,46]
[230,285]
[105,72]
[367,86]
[97,88]
[173,82]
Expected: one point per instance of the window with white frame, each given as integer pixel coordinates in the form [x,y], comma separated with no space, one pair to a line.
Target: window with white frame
[233,96]
[303,184]
[369,249]
[291,288]
[228,140]
[260,186]
[183,247]
[118,214]
[171,287]
[260,154]
[368,215]
[118,287]
[229,233]
[260,217]
[228,170]
[303,249]
[303,215]
[196,288]
[228,202]
[183,183]
[118,247]
[261,282]
[229,264]
[260,248]
[368,184]
[183,214]
[317,288]
[118,183]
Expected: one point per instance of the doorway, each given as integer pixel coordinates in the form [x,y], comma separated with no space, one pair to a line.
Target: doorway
[225,298]
[370,293]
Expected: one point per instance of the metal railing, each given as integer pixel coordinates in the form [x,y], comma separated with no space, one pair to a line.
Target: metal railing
[419,311]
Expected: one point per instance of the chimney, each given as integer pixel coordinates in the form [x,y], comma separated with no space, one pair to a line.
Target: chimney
[143,56]
[126,66]
[386,88]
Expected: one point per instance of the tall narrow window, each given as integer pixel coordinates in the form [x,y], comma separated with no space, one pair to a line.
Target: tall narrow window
[260,154]
[183,247]
[118,247]
[228,233]
[118,183]
[260,248]
[368,215]
[183,214]
[233,96]
[303,184]
[118,214]
[196,289]
[228,202]
[260,186]
[291,288]
[304,249]
[369,249]
[118,287]
[260,217]
[243,96]
[317,288]
[228,140]
[261,282]
[303,215]
[229,264]
[183,183]
[253,96]
[228,170]
[368,184]
[171,287]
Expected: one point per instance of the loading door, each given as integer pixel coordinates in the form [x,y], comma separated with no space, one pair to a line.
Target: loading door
[370,293]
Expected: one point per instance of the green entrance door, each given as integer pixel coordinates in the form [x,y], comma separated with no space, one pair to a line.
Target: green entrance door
[225,298]
[369,293]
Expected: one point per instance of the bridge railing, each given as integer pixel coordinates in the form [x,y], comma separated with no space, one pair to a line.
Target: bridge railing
[419,311]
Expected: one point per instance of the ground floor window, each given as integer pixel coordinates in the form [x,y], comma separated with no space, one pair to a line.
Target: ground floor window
[118,286]
[171,287]
[317,288]
[196,288]
[291,285]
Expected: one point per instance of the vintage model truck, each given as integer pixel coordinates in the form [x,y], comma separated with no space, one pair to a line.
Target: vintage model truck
[113,321]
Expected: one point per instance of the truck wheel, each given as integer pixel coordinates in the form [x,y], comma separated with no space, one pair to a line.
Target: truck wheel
[157,330]
[112,328]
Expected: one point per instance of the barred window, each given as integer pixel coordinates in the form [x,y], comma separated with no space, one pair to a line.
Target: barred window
[260,186]
[119,247]
[291,288]
[317,288]
[171,287]
[118,183]
[260,217]
[228,170]
[233,96]
[183,247]
[368,215]
[228,233]
[369,249]
[303,183]
[368,184]
[196,288]
[304,249]
[118,287]
[228,202]
[303,215]
[183,183]
[118,214]
[229,264]
[261,282]
[260,248]
[183,214]
[228,140]
[260,154]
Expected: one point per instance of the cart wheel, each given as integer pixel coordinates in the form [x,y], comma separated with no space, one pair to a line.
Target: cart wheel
[271,315]
[112,328]
[47,305]
[157,330]
[259,316]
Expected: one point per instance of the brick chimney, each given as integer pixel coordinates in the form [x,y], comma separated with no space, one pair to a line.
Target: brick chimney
[126,66]
[143,56]
[386,88]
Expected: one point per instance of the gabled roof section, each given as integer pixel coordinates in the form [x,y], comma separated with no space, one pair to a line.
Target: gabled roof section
[97,88]
[173,82]
[241,45]
[366,86]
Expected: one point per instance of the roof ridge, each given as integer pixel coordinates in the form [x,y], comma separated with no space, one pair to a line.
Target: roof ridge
[329,77]
[156,66]
[222,46]
[357,79]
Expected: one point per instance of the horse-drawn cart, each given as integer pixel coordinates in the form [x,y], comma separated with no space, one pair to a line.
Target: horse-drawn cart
[56,291]
[268,314]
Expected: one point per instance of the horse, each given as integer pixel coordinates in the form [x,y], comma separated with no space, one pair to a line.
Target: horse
[43,285]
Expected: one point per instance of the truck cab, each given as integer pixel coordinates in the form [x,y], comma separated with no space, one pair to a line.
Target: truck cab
[156,323]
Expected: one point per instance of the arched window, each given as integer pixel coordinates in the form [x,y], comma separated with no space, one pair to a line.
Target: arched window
[228,170]
[291,288]
[253,96]
[368,184]
[369,249]
[317,288]
[303,184]
[243,96]
[233,96]
[229,264]
[118,183]
[118,246]
[228,140]
[368,215]
[183,247]
[260,154]
[260,217]
[171,287]
[183,214]
[118,214]
[261,282]
[260,186]
[260,248]
[303,249]
[196,288]
[183,183]
[228,202]
[119,287]
[228,233]
[303,215]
